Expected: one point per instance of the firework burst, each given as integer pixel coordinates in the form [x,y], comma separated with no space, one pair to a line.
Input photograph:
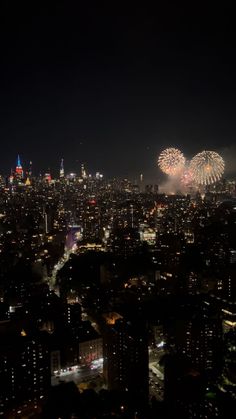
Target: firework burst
[207,167]
[171,161]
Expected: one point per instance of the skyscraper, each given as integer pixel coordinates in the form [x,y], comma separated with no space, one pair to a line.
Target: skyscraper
[83,171]
[24,369]
[62,172]
[19,169]
[126,357]
[30,169]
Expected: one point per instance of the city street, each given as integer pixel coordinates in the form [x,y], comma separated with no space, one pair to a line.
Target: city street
[156,386]
[156,376]
[82,375]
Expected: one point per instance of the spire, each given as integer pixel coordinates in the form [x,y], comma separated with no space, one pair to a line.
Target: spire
[18,161]
[19,170]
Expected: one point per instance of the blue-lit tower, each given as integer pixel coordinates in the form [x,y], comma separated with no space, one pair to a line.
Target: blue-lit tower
[19,169]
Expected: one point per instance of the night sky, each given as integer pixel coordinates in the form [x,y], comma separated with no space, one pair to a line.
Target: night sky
[112,87]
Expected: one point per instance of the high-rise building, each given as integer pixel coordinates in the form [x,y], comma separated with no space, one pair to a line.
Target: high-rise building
[48,178]
[62,172]
[126,357]
[24,369]
[83,171]
[228,379]
[19,170]
[30,169]
[186,394]
[195,364]
[199,338]
[90,344]
[91,220]
[141,184]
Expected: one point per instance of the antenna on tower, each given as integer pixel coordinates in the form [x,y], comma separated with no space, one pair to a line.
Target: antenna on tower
[18,161]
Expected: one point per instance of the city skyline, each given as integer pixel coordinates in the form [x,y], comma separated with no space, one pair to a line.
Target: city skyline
[117,210]
[153,174]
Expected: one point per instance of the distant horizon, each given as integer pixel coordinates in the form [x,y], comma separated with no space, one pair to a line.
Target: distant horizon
[160,178]
[150,172]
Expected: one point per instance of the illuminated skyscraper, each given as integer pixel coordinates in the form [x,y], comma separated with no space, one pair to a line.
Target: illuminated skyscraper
[125,353]
[45,216]
[48,177]
[11,177]
[83,172]
[27,182]
[141,185]
[19,169]
[24,370]
[62,173]
[28,175]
